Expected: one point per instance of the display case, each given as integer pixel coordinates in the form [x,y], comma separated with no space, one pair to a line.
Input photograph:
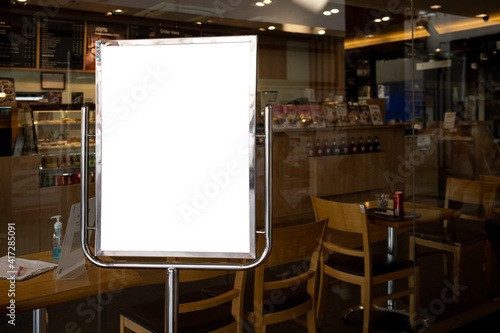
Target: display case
[56,134]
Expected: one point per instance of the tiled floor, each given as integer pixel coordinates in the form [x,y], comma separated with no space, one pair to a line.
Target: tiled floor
[99,313]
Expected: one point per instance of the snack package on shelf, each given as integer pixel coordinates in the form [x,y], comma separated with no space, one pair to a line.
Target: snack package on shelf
[330,114]
[305,115]
[364,115]
[318,118]
[292,116]
[279,117]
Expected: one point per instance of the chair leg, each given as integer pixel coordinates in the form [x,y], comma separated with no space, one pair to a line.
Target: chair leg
[311,321]
[366,295]
[412,248]
[414,282]
[321,299]
[457,264]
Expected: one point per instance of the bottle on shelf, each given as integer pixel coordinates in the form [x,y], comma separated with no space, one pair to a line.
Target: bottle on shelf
[343,147]
[318,150]
[57,238]
[326,148]
[353,148]
[361,146]
[310,151]
[369,146]
[376,145]
[334,150]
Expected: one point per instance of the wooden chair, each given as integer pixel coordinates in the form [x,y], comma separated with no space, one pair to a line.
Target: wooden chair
[463,234]
[284,287]
[198,311]
[360,266]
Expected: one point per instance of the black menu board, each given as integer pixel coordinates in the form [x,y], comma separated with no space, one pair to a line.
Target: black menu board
[61,44]
[169,32]
[140,31]
[101,31]
[18,35]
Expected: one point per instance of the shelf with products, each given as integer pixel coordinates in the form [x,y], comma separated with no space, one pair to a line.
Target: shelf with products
[56,134]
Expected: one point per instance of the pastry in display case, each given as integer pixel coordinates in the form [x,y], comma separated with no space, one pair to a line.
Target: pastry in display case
[56,133]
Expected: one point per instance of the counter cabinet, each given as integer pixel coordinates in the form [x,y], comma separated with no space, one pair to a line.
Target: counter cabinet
[345,177]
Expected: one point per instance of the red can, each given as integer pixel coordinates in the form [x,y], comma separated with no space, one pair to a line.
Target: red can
[398,204]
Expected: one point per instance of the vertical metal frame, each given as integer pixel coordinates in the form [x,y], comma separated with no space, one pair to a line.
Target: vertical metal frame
[85,228]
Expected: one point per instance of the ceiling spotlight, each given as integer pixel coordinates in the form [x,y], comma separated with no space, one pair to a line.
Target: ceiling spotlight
[327,13]
[386,18]
[118,11]
[260,4]
[271,27]
[321,32]
[377,20]
[485,17]
[109,13]
[199,22]
[335,11]
[267,2]
[435,7]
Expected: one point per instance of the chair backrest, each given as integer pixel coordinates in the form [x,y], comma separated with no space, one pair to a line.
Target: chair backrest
[233,295]
[345,217]
[472,192]
[295,243]
[295,256]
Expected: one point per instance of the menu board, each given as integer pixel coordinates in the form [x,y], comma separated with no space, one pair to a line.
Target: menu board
[140,31]
[101,31]
[18,40]
[61,44]
[167,32]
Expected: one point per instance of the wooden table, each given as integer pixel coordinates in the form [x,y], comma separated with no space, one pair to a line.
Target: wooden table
[41,291]
[424,214]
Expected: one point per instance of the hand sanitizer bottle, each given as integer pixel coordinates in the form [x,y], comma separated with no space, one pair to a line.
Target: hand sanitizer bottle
[57,238]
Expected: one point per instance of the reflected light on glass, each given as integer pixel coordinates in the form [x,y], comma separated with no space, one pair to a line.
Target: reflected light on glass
[377,20]
[260,4]
[386,18]
[435,7]
[271,27]
[335,11]
[327,13]
[321,32]
[267,2]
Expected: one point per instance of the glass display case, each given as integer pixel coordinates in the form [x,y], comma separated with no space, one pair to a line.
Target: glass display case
[56,133]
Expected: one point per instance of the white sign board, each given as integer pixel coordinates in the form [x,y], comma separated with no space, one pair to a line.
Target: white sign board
[175,147]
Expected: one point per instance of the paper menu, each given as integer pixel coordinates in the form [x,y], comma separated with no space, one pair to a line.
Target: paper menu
[22,269]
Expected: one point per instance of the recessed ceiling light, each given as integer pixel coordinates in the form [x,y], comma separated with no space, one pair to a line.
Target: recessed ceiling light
[369,36]
[480,15]
[335,11]
[267,2]
[118,11]
[260,4]
[435,7]
[109,13]
[199,22]
[377,20]
[327,13]
[271,27]
[321,32]
[386,18]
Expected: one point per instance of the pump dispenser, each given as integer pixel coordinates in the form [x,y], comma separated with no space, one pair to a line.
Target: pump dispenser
[57,239]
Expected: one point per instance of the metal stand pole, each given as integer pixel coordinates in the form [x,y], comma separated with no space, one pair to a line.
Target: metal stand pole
[40,320]
[392,239]
[172,300]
